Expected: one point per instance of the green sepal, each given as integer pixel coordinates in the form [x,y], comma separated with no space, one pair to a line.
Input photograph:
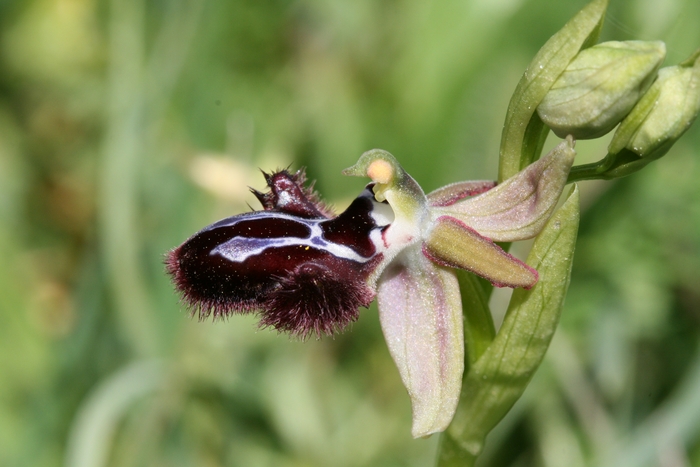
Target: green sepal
[523,131]
[497,380]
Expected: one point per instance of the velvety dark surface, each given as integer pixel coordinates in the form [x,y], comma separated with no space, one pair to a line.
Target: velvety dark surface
[280,262]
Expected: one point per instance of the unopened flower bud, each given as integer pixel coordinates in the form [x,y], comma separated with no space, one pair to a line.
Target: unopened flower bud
[523,132]
[663,114]
[600,87]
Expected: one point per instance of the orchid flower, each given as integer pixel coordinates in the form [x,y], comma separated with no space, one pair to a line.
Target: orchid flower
[306,271]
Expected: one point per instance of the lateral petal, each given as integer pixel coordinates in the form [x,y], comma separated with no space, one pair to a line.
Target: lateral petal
[421,316]
[518,208]
[450,194]
[454,244]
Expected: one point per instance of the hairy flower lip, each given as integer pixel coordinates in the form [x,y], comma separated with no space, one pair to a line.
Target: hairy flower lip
[303,271]
[289,192]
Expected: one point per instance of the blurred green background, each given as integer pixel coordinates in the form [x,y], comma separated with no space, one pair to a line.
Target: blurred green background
[127,125]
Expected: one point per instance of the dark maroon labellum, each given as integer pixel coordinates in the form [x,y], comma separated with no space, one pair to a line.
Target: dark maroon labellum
[302,270]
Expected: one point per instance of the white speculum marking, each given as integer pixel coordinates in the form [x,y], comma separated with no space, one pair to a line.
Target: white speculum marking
[239,249]
[381,213]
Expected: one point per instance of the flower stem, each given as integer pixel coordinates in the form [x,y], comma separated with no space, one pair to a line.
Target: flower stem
[592,171]
[452,455]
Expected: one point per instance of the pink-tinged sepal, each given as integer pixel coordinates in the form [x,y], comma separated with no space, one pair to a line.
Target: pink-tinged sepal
[452,243]
[421,316]
[450,194]
[519,207]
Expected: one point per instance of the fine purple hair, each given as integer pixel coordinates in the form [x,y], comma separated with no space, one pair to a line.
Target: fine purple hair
[282,262]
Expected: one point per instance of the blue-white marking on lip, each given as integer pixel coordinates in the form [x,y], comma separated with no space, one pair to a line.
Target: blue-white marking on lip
[239,249]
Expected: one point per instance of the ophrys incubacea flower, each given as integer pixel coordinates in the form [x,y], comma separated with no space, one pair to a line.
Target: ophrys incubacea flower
[305,271]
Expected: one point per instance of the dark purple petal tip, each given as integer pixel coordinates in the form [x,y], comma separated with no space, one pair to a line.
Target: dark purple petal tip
[289,193]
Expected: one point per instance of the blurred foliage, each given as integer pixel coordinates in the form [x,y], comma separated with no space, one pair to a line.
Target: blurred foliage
[126,125]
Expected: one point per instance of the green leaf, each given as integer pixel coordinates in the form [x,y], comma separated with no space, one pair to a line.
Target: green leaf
[523,131]
[498,379]
[478,322]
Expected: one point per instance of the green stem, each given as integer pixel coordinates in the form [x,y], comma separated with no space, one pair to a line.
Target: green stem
[479,330]
[450,454]
[593,171]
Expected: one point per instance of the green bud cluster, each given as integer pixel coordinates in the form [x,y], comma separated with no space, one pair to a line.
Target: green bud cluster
[576,87]
[655,123]
[660,117]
